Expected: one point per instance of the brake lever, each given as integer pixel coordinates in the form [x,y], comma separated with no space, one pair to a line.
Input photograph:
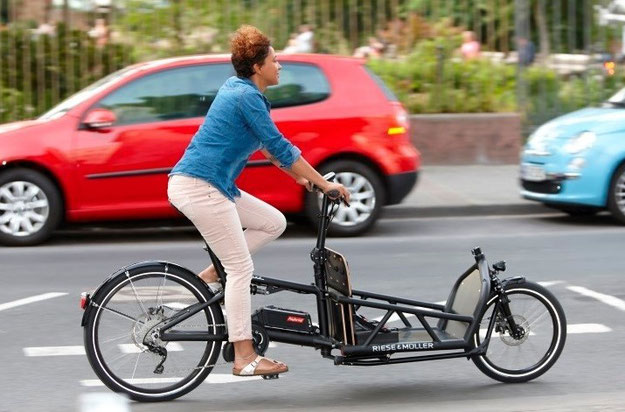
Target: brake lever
[335,195]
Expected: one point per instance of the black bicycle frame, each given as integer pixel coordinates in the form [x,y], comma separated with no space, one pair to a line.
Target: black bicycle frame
[367,353]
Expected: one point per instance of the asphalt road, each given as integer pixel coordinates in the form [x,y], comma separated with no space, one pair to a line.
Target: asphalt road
[580,261]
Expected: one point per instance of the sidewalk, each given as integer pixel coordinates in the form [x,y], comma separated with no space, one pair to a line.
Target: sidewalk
[465,190]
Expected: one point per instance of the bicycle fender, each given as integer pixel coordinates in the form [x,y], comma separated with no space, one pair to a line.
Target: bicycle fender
[513,281]
[95,296]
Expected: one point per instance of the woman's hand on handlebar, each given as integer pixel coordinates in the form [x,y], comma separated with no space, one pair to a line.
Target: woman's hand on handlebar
[337,187]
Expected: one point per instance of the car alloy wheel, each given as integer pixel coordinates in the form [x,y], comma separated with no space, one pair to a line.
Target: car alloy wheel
[368,195]
[31,207]
[362,200]
[24,208]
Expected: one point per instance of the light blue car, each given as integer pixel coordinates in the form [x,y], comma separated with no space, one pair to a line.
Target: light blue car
[576,162]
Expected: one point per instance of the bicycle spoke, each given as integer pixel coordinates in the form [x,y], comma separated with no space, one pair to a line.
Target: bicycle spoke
[159,291]
[123,315]
[118,358]
[136,364]
[546,312]
[125,335]
[145,312]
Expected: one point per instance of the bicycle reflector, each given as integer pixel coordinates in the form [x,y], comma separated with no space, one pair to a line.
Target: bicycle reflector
[84,300]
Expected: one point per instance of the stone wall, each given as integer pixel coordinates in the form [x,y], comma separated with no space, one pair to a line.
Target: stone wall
[458,139]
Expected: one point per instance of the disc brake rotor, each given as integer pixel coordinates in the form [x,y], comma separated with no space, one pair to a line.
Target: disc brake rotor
[508,339]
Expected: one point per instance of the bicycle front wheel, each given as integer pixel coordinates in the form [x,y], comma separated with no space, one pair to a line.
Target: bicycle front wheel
[121,333]
[531,352]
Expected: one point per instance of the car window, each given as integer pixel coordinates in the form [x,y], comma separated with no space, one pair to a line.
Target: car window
[299,84]
[86,93]
[390,96]
[168,95]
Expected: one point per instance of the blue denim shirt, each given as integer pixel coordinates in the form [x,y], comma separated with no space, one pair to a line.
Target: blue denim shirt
[236,125]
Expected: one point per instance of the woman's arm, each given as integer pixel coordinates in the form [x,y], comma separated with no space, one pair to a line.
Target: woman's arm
[276,163]
[299,179]
[256,115]
[302,168]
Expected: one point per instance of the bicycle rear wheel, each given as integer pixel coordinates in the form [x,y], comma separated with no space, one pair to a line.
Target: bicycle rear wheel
[543,334]
[121,339]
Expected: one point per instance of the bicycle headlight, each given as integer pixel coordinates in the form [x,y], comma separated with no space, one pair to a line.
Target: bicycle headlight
[581,142]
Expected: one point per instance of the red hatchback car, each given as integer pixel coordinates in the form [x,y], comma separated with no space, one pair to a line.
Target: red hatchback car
[104,153]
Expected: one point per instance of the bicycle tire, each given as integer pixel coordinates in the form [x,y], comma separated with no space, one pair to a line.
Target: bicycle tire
[556,337]
[184,285]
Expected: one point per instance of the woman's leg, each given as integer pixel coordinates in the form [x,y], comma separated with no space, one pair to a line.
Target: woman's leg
[218,222]
[263,224]
[262,221]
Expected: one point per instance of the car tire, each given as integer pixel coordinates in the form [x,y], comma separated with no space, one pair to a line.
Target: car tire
[365,209]
[616,196]
[31,207]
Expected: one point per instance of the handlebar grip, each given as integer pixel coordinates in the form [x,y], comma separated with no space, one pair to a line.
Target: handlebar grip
[334,194]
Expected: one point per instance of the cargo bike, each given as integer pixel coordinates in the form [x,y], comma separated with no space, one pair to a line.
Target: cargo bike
[154,330]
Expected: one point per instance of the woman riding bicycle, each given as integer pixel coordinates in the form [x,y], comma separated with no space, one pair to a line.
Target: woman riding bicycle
[202,185]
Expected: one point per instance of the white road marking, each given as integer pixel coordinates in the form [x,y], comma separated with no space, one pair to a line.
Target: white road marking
[80,350]
[550,283]
[132,348]
[177,305]
[31,299]
[587,328]
[578,328]
[607,299]
[212,378]
[54,351]
[496,334]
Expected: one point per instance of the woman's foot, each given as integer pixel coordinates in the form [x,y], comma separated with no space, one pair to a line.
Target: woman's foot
[258,366]
[209,275]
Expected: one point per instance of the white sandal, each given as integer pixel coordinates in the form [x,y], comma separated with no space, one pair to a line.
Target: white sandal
[251,368]
[215,286]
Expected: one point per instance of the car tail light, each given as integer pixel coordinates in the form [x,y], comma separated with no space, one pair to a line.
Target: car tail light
[84,300]
[401,123]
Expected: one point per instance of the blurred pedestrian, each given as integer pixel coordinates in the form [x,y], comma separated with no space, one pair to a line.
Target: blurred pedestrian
[470,48]
[202,185]
[291,46]
[45,29]
[100,32]
[526,51]
[305,39]
[374,49]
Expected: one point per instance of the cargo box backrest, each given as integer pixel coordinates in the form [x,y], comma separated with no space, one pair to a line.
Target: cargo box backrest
[341,314]
[463,302]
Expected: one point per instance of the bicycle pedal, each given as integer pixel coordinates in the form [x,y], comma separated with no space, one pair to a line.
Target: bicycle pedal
[269,377]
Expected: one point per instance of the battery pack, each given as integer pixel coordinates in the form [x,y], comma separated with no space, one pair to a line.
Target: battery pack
[290,320]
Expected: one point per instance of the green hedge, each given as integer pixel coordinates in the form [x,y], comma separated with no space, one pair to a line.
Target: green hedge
[37,72]
[432,79]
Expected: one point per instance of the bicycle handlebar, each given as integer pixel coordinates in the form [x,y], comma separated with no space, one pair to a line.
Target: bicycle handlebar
[334,195]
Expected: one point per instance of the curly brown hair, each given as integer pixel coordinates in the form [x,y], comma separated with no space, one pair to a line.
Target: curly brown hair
[249,46]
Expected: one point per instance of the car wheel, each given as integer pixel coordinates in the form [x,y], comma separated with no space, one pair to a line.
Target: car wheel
[367,197]
[616,197]
[30,207]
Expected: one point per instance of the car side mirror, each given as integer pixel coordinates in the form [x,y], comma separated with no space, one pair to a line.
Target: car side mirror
[99,119]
